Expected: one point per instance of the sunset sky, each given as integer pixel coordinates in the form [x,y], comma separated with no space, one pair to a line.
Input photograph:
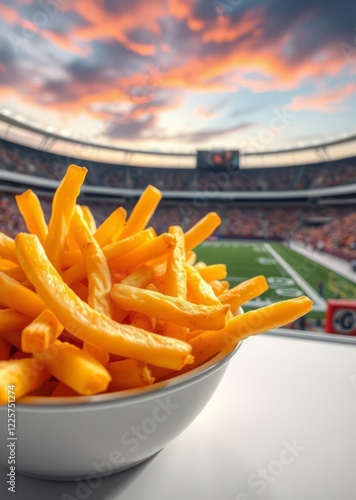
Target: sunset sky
[177,75]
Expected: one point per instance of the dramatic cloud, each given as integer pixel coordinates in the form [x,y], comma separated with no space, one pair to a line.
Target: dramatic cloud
[138,65]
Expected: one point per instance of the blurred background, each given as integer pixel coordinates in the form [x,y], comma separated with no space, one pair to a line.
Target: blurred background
[243,107]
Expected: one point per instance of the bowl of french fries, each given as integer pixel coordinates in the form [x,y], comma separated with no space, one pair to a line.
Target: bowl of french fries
[113,338]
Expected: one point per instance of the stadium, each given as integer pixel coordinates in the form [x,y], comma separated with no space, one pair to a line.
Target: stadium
[294,224]
[177,249]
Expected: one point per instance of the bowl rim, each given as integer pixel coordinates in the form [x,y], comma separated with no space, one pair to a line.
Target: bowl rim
[127,396]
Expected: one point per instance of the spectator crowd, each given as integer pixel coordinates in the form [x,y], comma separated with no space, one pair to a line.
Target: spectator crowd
[327,228]
[25,160]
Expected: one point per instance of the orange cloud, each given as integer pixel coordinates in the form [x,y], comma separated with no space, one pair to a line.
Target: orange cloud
[195,24]
[327,102]
[181,9]
[224,30]
[9,14]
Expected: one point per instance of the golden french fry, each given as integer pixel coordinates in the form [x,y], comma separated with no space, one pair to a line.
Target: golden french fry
[176,280]
[245,291]
[85,323]
[75,368]
[41,332]
[212,272]
[169,308]
[16,296]
[128,374]
[30,208]
[20,376]
[142,211]
[11,320]
[238,328]
[200,290]
[63,204]
[113,251]
[112,225]
[201,230]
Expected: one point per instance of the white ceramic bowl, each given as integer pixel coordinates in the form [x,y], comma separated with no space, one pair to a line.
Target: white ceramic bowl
[70,438]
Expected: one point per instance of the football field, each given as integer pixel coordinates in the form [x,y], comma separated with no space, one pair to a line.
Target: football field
[288,273]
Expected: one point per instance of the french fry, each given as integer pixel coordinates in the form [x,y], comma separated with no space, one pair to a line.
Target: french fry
[62,209]
[75,368]
[113,251]
[12,320]
[243,292]
[16,296]
[31,210]
[128,374]
[15,273]
[89,325]
[89,218]
[98,272]
[140,278]
[161,245]
[7,248]
[168,308]
[113,224]
[24,375]
[199,289]
[238,328]
[212,272]
[201,230]
[176,280]
[142,211]
[99,277]
[12,337]
[74,296]
[41,332]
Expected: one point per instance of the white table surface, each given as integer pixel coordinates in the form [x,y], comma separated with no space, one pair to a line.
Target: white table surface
[281,426]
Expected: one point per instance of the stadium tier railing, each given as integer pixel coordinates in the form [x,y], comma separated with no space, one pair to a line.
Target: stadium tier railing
[19,179]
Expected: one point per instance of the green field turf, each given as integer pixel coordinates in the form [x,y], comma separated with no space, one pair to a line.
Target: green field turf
[288,273]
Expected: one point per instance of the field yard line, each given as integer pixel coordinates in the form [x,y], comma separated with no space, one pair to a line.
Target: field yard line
[319,302]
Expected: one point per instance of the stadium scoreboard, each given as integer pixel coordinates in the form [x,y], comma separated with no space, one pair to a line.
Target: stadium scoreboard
[214,159]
